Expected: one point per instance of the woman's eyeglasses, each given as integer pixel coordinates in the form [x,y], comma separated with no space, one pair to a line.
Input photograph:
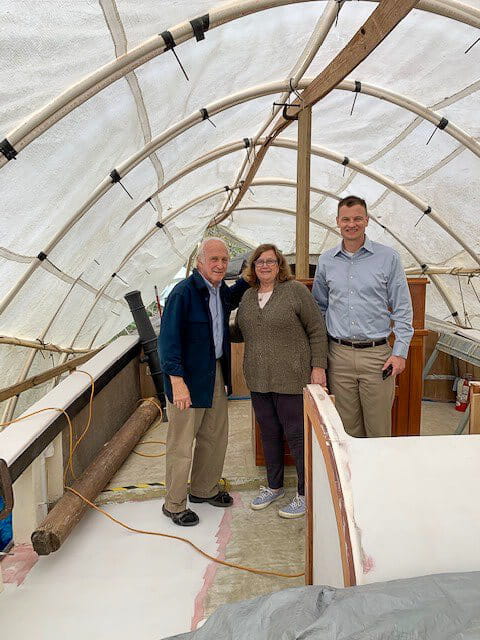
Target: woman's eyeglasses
[269,262]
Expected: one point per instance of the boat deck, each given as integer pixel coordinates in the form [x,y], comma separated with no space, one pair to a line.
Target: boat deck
[107,582]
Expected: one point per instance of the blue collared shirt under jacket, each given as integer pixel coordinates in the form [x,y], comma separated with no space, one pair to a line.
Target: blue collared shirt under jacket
[216,311]
[356,293]
[186,341]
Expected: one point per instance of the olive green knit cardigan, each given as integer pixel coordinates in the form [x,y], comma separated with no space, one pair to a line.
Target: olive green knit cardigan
[284,340]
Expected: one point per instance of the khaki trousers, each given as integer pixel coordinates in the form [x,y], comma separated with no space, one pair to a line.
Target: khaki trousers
[362,398]
[209,429]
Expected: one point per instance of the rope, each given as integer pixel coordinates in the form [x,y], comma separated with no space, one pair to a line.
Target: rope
[72,449]
[232,565]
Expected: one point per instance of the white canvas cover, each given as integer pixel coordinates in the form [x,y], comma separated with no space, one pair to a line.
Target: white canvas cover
[87,88]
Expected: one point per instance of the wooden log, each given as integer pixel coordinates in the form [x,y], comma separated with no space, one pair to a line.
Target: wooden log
[68,511]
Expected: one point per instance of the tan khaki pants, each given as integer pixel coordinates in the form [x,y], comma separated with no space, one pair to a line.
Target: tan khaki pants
[362,398]
[209,428]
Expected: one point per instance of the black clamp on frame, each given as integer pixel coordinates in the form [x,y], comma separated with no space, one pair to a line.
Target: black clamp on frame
[285,114]
[6,490]
[199,26]
[7,149]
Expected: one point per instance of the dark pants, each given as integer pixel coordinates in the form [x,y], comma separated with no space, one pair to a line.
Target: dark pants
[279,414]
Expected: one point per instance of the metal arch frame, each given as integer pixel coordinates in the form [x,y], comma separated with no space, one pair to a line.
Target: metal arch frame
[169,134]
[154,46]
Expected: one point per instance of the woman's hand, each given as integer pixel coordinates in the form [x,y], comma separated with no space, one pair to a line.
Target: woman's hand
[318,376]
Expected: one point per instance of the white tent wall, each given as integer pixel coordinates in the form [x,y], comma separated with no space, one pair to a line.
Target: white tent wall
[53,178]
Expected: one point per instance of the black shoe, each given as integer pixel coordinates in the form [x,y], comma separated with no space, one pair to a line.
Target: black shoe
[187,518]
[222,499]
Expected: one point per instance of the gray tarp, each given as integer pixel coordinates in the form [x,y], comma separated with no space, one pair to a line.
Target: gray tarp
[438,607]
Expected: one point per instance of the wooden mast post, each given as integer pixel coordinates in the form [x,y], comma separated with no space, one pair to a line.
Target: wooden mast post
[302,243]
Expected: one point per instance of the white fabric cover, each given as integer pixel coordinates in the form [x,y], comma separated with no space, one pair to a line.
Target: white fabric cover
[48,46]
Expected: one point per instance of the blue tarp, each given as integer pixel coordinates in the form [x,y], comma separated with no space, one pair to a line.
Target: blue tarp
[6,533]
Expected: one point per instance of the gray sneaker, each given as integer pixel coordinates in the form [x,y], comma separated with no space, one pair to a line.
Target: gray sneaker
[266,497]
[294,509]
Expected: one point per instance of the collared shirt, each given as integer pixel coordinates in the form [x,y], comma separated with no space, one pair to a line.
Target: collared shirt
[216,311]
[355,295]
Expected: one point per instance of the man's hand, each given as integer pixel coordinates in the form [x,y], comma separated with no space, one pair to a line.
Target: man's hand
[181,394]
[398,364]
[318,376]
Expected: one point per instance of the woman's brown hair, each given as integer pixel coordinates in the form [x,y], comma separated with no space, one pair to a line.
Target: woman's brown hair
[284,272]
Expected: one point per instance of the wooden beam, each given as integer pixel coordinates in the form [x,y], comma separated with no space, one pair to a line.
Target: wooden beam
[15,389]
[302,237]
[375,29]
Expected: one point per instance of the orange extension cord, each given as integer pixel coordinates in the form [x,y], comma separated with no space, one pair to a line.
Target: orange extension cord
[73,448]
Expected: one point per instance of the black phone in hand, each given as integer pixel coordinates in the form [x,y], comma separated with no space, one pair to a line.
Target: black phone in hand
[387,372]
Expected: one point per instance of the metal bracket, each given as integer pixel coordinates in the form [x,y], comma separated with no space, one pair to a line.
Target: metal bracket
[6,489]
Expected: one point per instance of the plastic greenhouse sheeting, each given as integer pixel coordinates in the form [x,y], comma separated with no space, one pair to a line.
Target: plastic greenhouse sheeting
[438,607]
[88,89]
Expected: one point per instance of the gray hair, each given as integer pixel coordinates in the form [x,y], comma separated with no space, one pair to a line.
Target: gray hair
[203,244]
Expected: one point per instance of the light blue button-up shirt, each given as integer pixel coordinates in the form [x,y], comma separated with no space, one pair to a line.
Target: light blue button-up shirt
[355,295]
[216,311]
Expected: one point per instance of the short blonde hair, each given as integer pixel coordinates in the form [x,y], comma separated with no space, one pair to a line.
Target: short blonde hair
[284,272]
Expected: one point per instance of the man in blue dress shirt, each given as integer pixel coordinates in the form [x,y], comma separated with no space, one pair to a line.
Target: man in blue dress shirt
[360,287]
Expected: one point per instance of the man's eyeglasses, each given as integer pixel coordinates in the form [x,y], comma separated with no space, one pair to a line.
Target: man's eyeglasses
[269,262]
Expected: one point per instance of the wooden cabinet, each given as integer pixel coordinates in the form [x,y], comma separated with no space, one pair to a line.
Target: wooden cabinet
[407,406]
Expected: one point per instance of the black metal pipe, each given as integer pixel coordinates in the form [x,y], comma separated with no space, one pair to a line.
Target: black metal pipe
[148,340]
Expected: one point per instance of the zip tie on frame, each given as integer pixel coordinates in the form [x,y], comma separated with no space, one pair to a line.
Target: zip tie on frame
[241,183]
[472,45]
[115,176]
[8,150]
[199,26]
[205,116]
[441,125]
[115,275]
[41,256]
[159,224]
[170,46]
[358,89]
[425,213]
[149,200]
[345,161]
[247,144]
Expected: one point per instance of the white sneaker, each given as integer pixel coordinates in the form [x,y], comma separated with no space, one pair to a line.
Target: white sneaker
[266,497]
[295,508]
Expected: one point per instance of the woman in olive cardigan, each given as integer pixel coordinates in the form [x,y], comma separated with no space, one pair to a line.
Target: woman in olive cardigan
[285,349]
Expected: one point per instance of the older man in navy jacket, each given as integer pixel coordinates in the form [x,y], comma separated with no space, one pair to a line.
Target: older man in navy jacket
[194,348]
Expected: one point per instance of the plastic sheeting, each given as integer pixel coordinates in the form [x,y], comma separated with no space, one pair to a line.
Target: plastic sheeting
[438,607]
[57,197]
